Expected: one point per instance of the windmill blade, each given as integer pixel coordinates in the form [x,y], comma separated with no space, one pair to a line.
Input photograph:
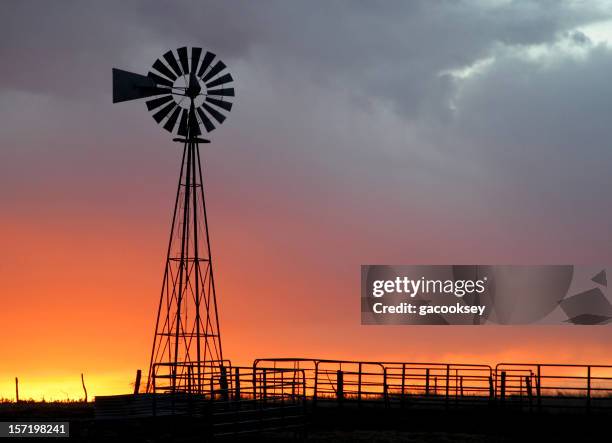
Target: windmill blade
[163,112]
[208,58]
[221,80]
[228,92]
[171,60]
[130,86]
[184,59]
[194,127]
[182,130]
[157,102]
[205,120]
[195,59]
[159,80]
[212,111]
[219,66]
[220,103]
[163,69]
[171,122]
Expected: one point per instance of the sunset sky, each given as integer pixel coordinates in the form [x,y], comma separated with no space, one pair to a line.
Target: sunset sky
[458,132]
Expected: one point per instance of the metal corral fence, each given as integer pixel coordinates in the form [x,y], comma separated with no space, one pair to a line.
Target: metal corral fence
[222,381]
[554,386]
[273,393]
[206,378]
[232,400]
[391,384]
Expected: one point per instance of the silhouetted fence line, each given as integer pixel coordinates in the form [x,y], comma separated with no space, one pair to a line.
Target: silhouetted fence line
[232,400]
[559,386]
[278,393]
[391,384]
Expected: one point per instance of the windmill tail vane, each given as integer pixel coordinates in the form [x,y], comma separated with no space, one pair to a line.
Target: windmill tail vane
[188,93]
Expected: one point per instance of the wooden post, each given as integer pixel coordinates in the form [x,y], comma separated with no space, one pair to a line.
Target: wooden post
[84,388]
[16,390]
[137,382]
[427,382]
[340,386]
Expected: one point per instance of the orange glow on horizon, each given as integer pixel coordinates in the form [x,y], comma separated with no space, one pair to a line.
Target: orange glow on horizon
[81,287]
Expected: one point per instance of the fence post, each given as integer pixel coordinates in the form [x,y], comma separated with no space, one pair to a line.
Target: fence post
[502,394]
[84,388]
[528,387]
[316,382]
[16,390]
[456,383]
[427,382]
[588,389]
[237,384]
[265,385]
[137,382]
[461,384]
[339,387]
[539,388]
[403,383]
[359,386]
[491,388]
[223,383]
[385,391]
[447,382]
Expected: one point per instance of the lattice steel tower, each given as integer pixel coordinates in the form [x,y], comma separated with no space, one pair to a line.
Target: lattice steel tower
[190,93]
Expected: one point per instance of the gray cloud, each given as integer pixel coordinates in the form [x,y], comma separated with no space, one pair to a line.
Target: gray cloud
[362,98]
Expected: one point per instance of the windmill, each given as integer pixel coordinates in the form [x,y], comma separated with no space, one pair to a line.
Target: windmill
[188,93]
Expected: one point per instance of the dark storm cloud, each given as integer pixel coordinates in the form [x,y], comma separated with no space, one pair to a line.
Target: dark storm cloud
[369,98]
[386,49]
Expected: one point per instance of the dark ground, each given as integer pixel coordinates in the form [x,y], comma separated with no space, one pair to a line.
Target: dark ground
[331,425]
